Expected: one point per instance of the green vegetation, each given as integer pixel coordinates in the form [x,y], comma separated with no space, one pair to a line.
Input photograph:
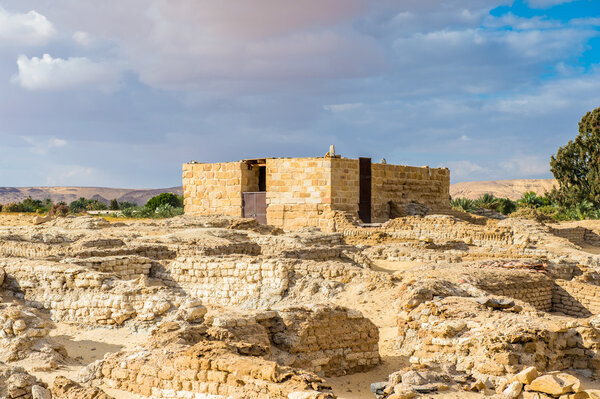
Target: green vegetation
[161,206]
[114,205]
[165,199]
[576,165]
[463,204]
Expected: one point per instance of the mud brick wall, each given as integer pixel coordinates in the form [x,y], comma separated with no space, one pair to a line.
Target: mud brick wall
[538,294]
[576,298]
[228,280]
[79,296]
[574,234]
[214,188]
[405,184]
[445,332]
[329,341]
[205,370]
[126,267]
[33,250]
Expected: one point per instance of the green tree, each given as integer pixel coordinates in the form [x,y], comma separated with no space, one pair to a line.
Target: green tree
[163,199]
[576,165]
[114,205]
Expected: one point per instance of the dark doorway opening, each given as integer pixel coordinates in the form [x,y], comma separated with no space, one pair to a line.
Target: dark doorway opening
[364,203]
[262,178]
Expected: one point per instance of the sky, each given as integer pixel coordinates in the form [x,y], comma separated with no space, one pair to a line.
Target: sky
[120,93]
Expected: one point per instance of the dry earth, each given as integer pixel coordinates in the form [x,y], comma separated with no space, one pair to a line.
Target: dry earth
[440,306]
[512,189]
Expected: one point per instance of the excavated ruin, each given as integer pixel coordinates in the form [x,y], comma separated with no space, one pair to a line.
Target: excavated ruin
[436,305]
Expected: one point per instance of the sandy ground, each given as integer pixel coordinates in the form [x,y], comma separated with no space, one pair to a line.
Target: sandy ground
[87,346]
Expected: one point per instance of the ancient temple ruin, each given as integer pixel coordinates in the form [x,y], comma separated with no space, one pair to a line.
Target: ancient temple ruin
[297,192]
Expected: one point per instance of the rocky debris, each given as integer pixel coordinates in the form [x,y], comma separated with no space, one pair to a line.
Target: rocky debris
[63,388]
[24,335]
[187,361]
[16,383]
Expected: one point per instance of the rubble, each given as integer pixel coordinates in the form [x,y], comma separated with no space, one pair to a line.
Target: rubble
[237,309]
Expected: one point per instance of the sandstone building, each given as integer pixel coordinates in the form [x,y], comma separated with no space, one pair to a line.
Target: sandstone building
[297,192]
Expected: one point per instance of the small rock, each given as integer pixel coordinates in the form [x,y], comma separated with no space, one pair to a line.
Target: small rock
[38,392]
[513,390]
[378,387]
[527,375]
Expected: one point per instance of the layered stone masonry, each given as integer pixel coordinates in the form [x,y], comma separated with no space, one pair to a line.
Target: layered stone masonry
[248,281]
[576,298]
[125,267]
[332,341]
[406,184]
[453,331]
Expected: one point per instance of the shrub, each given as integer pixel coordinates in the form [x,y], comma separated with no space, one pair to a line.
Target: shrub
[114,205]
[163,199]
[12,207]
[487,201]
[84,204]
[167,211]
[463,204]
[506,206]
[533,214]
[127,204]
[58,210]
[530,199]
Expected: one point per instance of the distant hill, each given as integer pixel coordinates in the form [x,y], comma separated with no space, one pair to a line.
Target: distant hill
[69,194]
[512,189]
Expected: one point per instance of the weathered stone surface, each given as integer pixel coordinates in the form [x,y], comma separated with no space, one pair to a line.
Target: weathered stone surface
[550,384]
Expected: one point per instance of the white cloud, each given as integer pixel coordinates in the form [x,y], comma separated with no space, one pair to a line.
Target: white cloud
[464,169]
[526,166]
[31,28]
[72,175]
[49,73]
[546,3]
[83,38]
[342,107]
[42,147]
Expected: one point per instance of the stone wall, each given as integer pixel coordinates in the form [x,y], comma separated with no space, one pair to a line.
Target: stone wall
[331,341]
[345,187]
[298,192]
[304,192]
[255,282]
[576,298]
[538,294]
[405,184]
[214,188]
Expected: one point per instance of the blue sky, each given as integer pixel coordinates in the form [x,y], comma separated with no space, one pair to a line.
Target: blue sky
[121,93]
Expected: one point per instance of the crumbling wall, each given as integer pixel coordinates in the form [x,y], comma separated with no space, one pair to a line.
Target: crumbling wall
[332,341]
[404,184]
[537,293]
[213,188]
[76,295]
[228,280]
[255,282]
[486,342]
[576,298]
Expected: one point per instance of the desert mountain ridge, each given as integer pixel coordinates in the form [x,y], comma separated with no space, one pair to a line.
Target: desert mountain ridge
[512,189]
[69,194]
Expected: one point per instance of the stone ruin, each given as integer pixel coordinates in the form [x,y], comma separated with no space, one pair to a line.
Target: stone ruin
[235,309]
